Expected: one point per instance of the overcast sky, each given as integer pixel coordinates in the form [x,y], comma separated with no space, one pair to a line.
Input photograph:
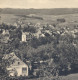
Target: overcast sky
[38,3]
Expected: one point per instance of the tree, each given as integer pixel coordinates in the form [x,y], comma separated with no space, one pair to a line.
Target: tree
[61,20]
[3,71]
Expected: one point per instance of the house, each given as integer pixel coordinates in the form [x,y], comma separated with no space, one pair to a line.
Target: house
[38,34]
[15,24]
[48,32]
[26,36]
[15,66]
[5,32]
[37,25]
[5,36]
[5,39]
[23,37]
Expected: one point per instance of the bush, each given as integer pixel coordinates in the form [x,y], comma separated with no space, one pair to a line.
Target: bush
[61,20]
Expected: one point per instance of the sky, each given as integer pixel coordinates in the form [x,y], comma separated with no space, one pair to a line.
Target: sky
[38,4]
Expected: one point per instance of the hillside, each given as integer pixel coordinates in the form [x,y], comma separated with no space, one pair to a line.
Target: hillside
[54,11]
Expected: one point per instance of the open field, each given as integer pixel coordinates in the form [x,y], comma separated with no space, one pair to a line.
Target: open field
[69,77]
[11,18]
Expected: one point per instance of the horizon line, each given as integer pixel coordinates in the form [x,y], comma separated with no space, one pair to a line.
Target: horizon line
[41,8]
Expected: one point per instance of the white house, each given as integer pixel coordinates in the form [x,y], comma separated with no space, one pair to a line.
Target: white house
[16,66]
[23,37]
[5,32]
[26,36]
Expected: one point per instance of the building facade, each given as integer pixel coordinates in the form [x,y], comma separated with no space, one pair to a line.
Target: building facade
[16,66]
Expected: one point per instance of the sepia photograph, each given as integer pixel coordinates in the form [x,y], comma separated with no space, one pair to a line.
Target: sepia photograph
[38,39]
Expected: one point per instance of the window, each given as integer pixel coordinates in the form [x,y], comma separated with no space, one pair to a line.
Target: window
[18,63]
[24,69]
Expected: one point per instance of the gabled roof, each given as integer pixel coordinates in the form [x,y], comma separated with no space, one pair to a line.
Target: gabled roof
[13,60]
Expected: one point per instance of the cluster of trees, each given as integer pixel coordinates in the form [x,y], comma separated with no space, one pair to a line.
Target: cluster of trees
[61,20]
[31,29]
[7,27]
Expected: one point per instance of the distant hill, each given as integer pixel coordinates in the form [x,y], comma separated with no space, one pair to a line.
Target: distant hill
[55,11]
